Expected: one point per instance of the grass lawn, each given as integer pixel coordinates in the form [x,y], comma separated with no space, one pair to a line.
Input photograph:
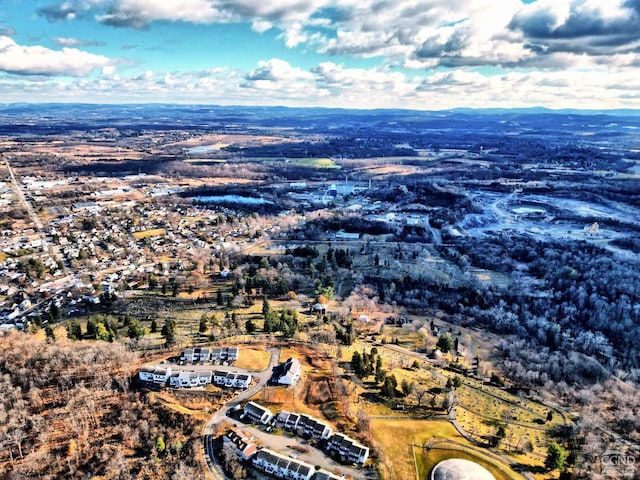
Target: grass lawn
[395,438]
[155,232]
[426,460]
[253,359]
[316,162]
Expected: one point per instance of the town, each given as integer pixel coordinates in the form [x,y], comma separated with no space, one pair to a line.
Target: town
[261,300]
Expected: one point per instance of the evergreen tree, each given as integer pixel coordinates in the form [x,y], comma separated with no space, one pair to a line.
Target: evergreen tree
[389,385]
[48,331]
[357,364]
[203,324]
[445,343]
[74,330]
[154,325]
[250,327]
[135,330]
[556,456]
[169,331]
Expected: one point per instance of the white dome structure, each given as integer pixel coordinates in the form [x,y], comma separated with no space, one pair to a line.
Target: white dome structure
[458,469]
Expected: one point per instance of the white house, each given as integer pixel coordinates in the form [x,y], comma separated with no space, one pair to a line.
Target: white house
[220,377]
[313,428]
[232,379]
[289,372]
[242,442]
[324,475]
[146,374]
[280,466]
[232,354]
[258,413]
[187,355]
[161,375]
[287,420]
[350,450]
[205,377]
[201,355]
[242,380]
[174,380]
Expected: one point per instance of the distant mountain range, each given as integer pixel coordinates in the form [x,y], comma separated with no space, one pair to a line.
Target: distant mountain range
[56,118]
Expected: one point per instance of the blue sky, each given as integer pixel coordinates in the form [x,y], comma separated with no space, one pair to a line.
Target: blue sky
[421,54]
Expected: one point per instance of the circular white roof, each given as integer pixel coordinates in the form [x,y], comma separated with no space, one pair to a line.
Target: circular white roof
[458,469]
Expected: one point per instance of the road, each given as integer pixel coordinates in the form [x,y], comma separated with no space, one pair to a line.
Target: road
[285,444]
[50,248]
[208,432]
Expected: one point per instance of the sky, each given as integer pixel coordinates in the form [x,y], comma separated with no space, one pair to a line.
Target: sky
[413,54]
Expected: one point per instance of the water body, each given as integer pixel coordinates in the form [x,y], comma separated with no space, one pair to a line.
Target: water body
[202,149]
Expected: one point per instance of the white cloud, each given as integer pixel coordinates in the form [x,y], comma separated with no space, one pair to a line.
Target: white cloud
[333,85]
[38,60]
[417,34]
[74,42]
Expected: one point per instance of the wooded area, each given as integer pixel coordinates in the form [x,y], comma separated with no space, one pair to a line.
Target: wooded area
[68,410]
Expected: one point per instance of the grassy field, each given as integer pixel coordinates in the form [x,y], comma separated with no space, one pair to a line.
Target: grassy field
[427,459]
[253,358]
[401,442]
[325,163]
[155,232]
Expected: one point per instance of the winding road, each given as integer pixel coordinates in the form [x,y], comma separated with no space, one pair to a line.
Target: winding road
[208,432]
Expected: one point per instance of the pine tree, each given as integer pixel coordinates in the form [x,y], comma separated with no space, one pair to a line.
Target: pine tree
[556,456]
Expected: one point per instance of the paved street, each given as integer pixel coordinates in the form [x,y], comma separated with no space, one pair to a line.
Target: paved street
[208,431]
[280,443]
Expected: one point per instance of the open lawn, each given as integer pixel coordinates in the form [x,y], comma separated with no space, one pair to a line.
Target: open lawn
[427,459]
[317,162]
[400,440]
[155,232]
[396,438]
[253,358]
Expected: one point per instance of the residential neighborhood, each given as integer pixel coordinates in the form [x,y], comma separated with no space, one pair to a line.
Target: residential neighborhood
[344,448]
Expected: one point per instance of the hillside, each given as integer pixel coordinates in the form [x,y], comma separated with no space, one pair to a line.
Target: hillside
[68,411]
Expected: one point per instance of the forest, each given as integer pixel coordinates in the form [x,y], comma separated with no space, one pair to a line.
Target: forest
[69,410]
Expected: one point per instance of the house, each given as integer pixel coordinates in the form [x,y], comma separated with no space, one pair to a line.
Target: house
[324,475]
[225,354]
[232,354]
[258,413]
[204,378]
[232,379]
[348,449]
[187,355]
[304,425]
[242,443]
[220,377]
[174,380]
[279,466]
[158,375]
[313,428]
[201,355]
[288,373]
[288,421]
[146,374]
[242,380]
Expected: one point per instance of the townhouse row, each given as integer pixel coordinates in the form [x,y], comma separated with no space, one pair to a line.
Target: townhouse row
[163,376]
[206,355]
[274,463]
[346,448]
